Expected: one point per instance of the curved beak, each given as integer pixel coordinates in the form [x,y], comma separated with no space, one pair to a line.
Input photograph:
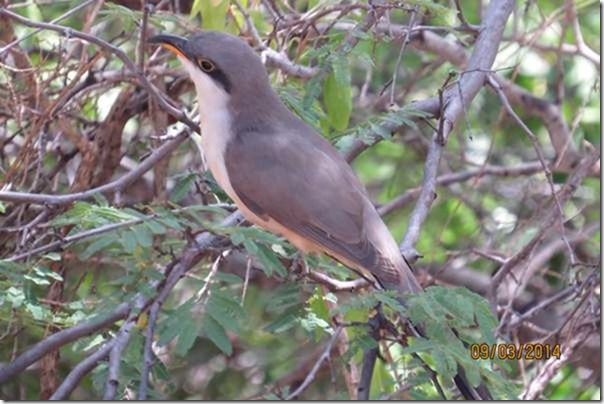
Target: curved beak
[173,43]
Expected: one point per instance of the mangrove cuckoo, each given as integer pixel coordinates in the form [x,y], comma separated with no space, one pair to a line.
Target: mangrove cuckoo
[279,171]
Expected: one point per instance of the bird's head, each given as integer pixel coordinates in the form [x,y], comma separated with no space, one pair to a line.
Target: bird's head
[220,64]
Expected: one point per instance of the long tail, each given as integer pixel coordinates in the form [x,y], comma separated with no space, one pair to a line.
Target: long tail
[461,381]
[407,282]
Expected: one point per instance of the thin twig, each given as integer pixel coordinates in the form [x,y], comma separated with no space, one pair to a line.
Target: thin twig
[583,48]
[59,339]
[548,221]
[142,37]
[561,295]
[528,168]
[551,367]
[82,369]
[335,285]
[460,16]
[370,356]
[248,268]
[313,372]
[115,360]
[188,258]
[142,79]
[70,239]
[537,148]
[56,20]
[148,350]
[399,59]
[425,199]
[119,184]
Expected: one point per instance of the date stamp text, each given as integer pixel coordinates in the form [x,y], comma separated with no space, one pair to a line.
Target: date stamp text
[515,352]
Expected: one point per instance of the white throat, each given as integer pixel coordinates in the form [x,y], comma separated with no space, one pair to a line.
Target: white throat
[215,121]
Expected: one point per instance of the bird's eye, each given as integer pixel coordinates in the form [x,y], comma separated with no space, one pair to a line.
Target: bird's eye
[205,65]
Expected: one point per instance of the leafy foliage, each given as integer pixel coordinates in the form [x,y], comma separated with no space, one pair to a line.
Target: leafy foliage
[252,323]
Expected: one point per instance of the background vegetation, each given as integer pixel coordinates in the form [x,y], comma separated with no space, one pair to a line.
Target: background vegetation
[124,271]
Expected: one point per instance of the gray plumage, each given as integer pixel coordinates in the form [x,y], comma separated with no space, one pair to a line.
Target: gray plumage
[281,173]
[281,169]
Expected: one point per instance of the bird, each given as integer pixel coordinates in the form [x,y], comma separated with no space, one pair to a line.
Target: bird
[280,172]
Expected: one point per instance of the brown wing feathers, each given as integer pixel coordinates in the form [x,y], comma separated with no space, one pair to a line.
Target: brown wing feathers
[322,201]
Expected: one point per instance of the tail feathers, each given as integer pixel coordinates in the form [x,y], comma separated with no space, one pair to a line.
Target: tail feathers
[466,389]
[461,381]
[395,274]
[405,282]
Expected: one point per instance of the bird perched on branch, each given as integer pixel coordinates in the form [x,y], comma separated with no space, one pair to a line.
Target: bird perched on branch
[280,172]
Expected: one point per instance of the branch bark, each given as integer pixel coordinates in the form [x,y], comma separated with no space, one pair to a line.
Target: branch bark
[456,100]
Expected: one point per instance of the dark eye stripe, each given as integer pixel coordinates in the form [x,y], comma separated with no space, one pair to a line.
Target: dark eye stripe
[221,78]
[212,70]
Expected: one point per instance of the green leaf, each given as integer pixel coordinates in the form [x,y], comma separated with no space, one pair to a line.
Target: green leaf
[419,345]
[215,333]
[228,278]
[160,370]
[127,17]
[445,365]
[128,240]
[37,280]
[312,91]
[316,325]
[487,322]
[187,336]
[167,218]
[284,297]
[15,296]
[47,273]
[366,342]
[226,311]
[382,381]
[52,256]
[473,374]
[155,227]
[337,95]
[283,323]
[39,313]
[312,114]
[388,298]
[269,261]
[267,257]
[318,305]
[175,322]
[213,13]
[143,236]
[97,245]
[238,234]
[182,187]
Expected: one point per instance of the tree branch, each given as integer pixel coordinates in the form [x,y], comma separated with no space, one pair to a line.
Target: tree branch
[311,375]
[59,339]
[82,369]
[547,222]
[142,79]
[117,185]
[455,101]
